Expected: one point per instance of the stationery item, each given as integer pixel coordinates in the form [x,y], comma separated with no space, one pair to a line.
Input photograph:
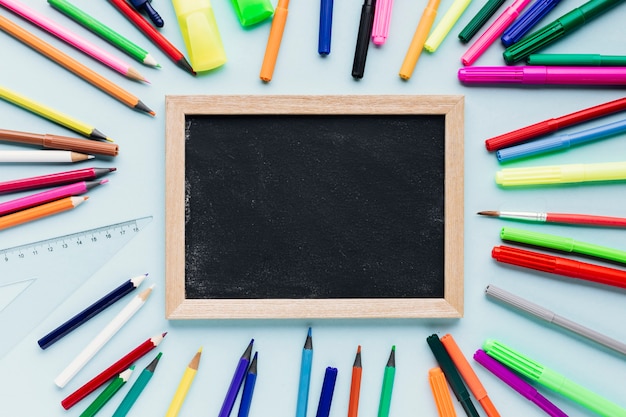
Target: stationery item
[146,6]
[550,379]
[382,19]
[562,174]
[468,375]
[108,393]
[479,20]
[559,142]
[198,27]
[104,31]
[564,218]
[48,141]
[44,197]
[274,39]
[154,35]
[543,75]
[38,157]
[248,388]
[419,37]
[102,338]
[39,212]
[452,375]
[562,244]
[355,385]
[50,180]
[527,21]
[517,383]
[251,12]
[582,60]
[551,125]
[184,385]
[363,36]
[305,376]
[50,114]
[32,272]
[387,388]
[137,388]
[559,28]
[73,39]
[560,266]
[493,32]
[74,66]
[326,26]
[236,382]
[445,25]
[326,396]
[91,311]
[123,363]
[441,394]
[544,314]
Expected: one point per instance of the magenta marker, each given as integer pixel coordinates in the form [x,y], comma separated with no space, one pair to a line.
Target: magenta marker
[543,75]
[382,17]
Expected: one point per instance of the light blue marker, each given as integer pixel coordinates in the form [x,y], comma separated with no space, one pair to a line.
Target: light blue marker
[305,376]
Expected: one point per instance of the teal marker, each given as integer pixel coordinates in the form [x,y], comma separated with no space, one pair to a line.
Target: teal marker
[577,60]
[564,244]
[552,380]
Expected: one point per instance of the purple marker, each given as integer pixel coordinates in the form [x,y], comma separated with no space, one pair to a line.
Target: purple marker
[235,384]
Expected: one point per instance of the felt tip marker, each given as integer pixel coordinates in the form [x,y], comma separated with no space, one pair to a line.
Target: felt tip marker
[543,75]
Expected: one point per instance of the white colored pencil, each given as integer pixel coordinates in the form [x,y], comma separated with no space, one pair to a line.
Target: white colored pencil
[102,338]
[43,156]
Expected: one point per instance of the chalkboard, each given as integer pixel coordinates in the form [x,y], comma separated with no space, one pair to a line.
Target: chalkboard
[314,206]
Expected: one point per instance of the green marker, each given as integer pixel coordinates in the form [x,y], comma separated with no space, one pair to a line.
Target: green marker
[108,393]
[551,379]
[137,388]
[479,20]
[582,60]
[561,243]
[385,394]
[251,12]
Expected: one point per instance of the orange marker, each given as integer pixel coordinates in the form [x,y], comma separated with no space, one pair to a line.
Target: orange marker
[419,38]
[441,393]
[38,212]
[355,387]
[468,374]
[273,41]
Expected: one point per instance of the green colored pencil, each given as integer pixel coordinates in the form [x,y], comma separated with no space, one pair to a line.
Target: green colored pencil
[108,393]
[137,388]
[104,31]
[387,389]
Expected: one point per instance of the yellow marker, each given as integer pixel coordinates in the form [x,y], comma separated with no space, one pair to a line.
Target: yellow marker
[562,174]
[445,24]
[184,385]
[200,33]
[419,37]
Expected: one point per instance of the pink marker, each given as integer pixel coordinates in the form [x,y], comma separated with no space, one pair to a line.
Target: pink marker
[47,196]
[493,32]
[382,17]
[543,75]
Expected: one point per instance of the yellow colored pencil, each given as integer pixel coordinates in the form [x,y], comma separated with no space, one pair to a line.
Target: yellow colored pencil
[184,385]
[419,38]
[41,211]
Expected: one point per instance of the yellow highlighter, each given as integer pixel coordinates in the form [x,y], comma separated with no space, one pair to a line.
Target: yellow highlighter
[202,37]
[562,174]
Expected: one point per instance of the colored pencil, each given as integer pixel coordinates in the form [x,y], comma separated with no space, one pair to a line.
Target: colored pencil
[419,38]
[50,180]
[355,385]
[274,39]
[73,39]
[50,114]
[137,388]
[387,388]
[236,382]
[108,393]
[441,393]
[105,32]
[43,156]
[91,311]
[73,66]
[38,212]
[565,218]
[305,376]
[65,143]
[102,338]
[248,388]
[184,385]
[328,389]
[123,363]
[153,34]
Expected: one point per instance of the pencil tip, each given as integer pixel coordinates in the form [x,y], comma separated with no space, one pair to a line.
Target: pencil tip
[309,332]
[358,349]
[90,157]
[488,213]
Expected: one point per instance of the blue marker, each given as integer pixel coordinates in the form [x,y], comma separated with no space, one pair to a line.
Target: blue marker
[527,20]
[326,25]
[328,388]
[305,376]
[560,141]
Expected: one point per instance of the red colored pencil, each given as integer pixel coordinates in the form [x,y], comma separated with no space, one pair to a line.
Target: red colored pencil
[51,180]
[565,218]
[112,371]
[355,386]
[154,35]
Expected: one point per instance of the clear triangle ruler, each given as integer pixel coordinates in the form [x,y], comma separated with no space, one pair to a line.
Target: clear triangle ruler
[35,278]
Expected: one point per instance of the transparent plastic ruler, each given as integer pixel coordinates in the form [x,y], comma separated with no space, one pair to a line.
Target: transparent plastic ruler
[35,278]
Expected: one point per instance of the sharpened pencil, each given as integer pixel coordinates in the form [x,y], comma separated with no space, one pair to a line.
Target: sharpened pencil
[108,393]
[137,388]
[184,385]
[248,388]
[38,212]
[65,143]
[355,385]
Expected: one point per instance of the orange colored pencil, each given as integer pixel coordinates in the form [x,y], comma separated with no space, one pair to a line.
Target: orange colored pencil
[274,40]
[72,65]
[441,393]
[41,211]
[355,387]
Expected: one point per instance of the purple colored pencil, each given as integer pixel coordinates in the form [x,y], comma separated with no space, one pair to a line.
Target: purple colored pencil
[235,383]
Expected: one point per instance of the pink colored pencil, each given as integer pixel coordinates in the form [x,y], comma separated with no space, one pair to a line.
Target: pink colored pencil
[50,180]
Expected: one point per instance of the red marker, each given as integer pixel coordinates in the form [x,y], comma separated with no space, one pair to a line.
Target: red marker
[51,180]
[560,266]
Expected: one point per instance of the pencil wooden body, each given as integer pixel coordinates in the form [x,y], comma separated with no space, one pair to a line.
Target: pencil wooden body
[66,143]
[43,156]
[39,212]
[107,394]
[184,385]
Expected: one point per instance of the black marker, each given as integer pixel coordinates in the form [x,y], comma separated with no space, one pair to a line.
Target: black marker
[363,38]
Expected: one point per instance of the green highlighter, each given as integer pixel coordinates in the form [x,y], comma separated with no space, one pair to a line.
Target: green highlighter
[251,12]
[552,380]
[564,244]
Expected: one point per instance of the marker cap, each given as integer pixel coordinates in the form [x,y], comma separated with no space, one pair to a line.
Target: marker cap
[251,12]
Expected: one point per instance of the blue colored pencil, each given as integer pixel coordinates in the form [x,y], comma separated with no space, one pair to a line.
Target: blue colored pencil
[525,22]
[248,388]
[328,388]
[305,376]
[235,383]
[91,311]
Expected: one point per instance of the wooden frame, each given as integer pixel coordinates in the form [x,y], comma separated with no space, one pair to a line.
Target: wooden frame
[178,307]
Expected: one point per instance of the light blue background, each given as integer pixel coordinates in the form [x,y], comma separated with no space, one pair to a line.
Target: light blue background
[137,189]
